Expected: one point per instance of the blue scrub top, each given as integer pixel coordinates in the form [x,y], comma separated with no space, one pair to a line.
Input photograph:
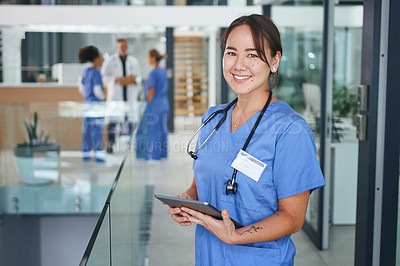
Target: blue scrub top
[90,78]
[158,80]
[284,141]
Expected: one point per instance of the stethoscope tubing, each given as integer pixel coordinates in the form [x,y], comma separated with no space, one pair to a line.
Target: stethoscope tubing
[257,122]
[252,133]
[231,185]
[225,112]
[193,153]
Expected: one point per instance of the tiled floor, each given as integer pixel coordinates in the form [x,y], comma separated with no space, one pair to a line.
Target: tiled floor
[171,244]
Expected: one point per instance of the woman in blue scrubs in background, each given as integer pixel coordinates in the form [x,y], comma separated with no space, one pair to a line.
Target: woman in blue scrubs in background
[91,87]
[272,204]
[152,135]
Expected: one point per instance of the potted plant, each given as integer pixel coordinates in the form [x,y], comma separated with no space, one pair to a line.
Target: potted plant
[37,160]
[344,105]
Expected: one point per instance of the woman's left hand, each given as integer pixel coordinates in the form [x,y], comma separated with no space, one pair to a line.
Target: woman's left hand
[223,229]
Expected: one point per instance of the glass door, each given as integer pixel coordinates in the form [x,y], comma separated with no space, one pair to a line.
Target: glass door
[344,143]
[300,81]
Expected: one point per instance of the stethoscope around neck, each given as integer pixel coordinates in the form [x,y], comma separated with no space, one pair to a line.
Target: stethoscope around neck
[231,185]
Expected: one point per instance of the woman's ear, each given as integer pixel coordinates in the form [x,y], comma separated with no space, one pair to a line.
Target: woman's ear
[275,62]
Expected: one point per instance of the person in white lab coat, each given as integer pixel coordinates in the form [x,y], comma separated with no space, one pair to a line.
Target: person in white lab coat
[121,75]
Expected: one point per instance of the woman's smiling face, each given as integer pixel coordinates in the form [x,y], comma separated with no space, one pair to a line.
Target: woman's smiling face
[243,69]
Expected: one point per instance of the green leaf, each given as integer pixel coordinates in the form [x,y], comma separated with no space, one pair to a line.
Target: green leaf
[28,130]
[34,125]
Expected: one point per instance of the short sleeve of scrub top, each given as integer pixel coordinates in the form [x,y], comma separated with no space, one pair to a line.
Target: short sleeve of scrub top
[295,157]
[97,78]
[91,77]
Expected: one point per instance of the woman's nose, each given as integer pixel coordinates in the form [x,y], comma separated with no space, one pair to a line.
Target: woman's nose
[240,63]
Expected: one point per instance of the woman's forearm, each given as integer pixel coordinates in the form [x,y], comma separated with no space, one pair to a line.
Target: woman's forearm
[150,95]
[274,227]
[287,220]
[192,190]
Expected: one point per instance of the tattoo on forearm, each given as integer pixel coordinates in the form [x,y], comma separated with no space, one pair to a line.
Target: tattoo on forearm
[252,229]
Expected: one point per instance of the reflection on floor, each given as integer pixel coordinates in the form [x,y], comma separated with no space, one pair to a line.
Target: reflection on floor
[171,244]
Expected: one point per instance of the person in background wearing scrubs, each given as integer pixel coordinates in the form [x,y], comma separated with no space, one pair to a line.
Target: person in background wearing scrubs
[152,134]
[121,74]
[273,205]
[91,86]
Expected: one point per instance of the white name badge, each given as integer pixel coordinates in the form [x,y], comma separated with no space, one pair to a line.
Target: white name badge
[249,165]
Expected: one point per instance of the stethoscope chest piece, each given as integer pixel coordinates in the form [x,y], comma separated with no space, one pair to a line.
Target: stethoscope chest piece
[231,186]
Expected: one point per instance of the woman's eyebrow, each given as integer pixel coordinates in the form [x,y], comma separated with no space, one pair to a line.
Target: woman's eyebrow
[251,49]
[247,49]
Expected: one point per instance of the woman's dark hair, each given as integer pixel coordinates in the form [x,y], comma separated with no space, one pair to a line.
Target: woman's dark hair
[154,53]
[263,29]
[88,54]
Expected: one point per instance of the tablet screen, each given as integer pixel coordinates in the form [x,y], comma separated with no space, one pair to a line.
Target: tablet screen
[199,206]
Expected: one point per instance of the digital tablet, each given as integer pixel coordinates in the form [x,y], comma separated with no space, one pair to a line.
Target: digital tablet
[200,206]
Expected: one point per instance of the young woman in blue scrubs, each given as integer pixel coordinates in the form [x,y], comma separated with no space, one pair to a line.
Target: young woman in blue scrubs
[91,86]
[152,134]
[271,206]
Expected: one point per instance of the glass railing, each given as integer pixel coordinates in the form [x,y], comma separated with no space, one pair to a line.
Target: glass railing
[50,198]
[122,231]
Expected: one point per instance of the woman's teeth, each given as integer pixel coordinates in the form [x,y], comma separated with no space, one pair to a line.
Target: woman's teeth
[241,77]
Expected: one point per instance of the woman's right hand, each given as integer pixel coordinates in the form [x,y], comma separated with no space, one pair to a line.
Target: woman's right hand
[176,213]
